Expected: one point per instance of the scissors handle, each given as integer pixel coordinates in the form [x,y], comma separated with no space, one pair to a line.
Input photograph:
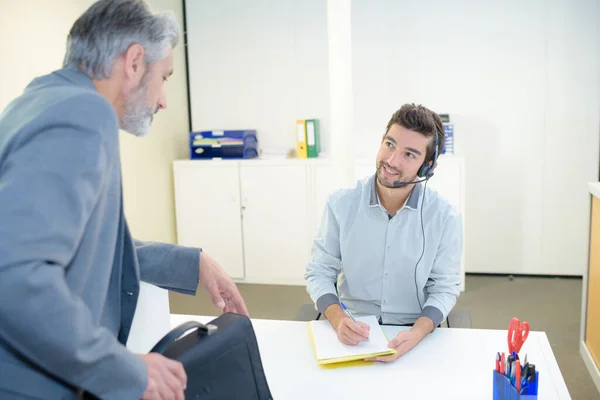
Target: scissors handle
[517,334]
[524,330]
[523,334]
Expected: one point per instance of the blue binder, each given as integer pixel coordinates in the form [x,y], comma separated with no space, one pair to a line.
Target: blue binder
[233,144]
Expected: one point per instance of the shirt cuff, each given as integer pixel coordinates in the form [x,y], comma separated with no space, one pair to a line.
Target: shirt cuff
[433,314]
[325,301]
[188,273]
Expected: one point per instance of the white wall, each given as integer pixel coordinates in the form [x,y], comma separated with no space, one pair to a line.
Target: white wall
[259,65]
[519,79]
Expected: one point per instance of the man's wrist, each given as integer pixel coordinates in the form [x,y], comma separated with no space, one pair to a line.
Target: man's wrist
[334,315]
[423,326]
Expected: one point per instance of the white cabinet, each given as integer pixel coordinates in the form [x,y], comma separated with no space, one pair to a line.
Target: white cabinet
[251,216]
[207,201]
[258,218]
[275,215]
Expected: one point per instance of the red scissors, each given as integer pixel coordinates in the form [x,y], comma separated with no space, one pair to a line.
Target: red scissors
[517,334]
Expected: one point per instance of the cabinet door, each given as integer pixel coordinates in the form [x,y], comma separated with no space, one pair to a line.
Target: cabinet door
[207,199]
[275,222]
[592,337]
[324,187]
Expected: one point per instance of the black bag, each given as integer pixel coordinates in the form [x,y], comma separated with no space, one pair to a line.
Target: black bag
[221,359]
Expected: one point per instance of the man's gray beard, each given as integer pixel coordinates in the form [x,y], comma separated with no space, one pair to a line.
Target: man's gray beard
[138,115]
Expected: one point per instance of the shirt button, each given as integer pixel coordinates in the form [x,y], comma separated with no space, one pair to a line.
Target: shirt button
[389,248]
[385,276]
[129,293]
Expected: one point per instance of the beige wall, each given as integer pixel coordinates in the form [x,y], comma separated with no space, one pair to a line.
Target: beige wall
[147,162]
[32,43]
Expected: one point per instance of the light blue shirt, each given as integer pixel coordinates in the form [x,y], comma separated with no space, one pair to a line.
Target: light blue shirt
[372,256]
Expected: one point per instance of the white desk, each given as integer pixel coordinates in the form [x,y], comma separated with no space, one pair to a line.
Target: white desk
[436,368]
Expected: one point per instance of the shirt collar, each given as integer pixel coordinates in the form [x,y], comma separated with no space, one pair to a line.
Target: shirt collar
[413,198]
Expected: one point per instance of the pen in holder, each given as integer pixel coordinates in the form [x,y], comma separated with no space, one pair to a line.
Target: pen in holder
[504,389]
[511,381]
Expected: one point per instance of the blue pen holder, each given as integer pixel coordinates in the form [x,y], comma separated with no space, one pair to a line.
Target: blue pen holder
[504,390]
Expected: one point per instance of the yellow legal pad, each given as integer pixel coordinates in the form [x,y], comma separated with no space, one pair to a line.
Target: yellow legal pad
[329,351]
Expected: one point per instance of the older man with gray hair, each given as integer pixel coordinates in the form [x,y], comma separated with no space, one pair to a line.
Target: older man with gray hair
[69,268]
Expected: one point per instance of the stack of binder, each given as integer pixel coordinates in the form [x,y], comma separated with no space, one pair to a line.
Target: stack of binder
[448,134]
[307,131]
[448,138]
[233,144]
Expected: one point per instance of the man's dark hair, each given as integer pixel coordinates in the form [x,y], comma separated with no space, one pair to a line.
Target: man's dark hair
[420,119]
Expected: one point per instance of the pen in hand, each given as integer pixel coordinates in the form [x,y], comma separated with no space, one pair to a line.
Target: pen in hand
[350,315]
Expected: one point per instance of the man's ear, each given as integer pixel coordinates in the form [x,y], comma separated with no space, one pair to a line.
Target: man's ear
[135,65]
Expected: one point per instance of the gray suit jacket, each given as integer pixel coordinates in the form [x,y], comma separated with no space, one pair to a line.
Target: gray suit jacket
[69,268]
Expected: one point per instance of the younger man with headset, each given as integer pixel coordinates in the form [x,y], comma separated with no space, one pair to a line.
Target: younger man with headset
[391,245]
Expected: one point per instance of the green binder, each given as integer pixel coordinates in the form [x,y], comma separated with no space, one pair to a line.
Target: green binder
[312,137]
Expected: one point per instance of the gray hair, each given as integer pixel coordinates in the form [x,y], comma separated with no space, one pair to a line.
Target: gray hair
[109,27]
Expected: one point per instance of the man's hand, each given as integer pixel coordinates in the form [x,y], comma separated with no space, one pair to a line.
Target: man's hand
[350,333]
[223,292]
[166,378]
[347,331]
[406,340]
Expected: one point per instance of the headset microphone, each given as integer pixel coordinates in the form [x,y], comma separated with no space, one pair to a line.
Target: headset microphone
[399,184]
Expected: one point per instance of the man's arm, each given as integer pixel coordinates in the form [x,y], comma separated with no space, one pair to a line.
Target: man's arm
[181,268]
[322,271]
[443,285]
[169,266]
[321,276]
[49,186]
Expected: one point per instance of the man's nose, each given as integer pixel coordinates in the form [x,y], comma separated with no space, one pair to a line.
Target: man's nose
[394,160]
[162,100]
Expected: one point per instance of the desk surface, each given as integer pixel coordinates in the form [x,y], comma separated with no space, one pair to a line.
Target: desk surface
[433,369]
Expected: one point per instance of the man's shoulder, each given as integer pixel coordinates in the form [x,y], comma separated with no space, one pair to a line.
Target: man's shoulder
[56,90]
[435,203]
[51,101]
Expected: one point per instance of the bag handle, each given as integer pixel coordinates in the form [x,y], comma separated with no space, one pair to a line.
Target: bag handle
[176,333]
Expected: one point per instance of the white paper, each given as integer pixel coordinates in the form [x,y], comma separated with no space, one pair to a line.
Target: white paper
[310,133]
[329,346]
